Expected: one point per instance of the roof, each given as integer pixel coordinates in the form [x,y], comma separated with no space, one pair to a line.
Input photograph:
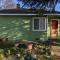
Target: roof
[27,12]
[17,11]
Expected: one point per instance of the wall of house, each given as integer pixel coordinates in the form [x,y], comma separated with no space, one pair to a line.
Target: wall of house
[19,28]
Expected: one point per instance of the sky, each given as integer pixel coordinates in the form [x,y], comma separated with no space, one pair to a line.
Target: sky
[57,8]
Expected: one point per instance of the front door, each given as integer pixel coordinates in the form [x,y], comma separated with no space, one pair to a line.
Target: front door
[54,28]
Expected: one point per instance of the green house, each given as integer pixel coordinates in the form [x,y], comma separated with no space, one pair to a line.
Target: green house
[27,26]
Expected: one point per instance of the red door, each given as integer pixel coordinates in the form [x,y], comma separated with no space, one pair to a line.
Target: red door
[54,28]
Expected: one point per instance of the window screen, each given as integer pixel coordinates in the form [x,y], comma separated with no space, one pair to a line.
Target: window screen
[39,24]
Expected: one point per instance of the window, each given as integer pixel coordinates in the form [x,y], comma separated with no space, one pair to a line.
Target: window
[39,24]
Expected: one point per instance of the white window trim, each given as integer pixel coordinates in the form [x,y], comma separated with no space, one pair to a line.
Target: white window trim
[47,26]
[39,24]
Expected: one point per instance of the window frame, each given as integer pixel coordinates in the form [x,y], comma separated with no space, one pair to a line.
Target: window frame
[39,24]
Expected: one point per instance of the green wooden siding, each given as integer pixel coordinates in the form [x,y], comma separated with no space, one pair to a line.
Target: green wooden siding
[19,28]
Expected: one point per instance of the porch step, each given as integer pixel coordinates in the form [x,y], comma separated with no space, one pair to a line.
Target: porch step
[57,58]
[56,50]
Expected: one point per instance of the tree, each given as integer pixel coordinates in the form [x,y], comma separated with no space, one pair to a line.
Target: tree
[41,4]
[18,4]
[9,4]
